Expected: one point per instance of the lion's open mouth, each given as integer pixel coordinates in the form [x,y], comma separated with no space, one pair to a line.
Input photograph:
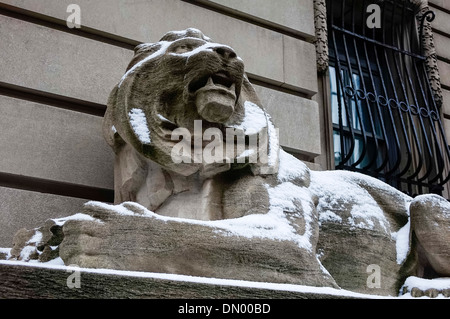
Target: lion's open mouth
[219,79]
[215,96]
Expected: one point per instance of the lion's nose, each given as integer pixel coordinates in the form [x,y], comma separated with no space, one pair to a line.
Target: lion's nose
[225,52]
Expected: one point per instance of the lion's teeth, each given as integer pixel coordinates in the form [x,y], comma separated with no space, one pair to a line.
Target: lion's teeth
[210,82]
[233,87]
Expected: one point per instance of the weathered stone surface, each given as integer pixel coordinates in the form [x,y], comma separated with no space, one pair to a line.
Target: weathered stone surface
[26,209]
[430,221]
[416,292]
[444,71]
[432,292]
[358,216]
[440,21]
[447,128]
[3,255]
[47,283]
[442,45]
[21,239]
[127,237]
[446,293]
[296,50]
[441,3]
[38,244]
[446,105]
[431,288]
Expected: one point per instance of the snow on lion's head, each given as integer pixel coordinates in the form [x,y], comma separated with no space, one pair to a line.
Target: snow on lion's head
[186,97]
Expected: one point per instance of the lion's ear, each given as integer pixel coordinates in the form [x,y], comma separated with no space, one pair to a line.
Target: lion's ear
[140,47]
[141,51]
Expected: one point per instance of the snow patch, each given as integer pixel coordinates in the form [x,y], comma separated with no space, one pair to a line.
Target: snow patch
[56,261]
[338,189]
[37,238]
[183,33]
[283,200]
[274,225]
[322,267]
[291,168]
[26,252]
[246,153]
[6,252]
[329,216]
[274,144]
[402,242]
[164,119]
[138,122]
[366,213]
[124,209]
[78,216]
[254,121]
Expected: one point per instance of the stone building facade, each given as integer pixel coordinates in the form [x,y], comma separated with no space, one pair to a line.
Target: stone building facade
[55,81]
[441,35]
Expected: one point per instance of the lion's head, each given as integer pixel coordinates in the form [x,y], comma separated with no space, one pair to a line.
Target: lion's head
[186,81]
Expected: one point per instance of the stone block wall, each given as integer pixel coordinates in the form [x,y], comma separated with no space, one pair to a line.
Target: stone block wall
[441,35]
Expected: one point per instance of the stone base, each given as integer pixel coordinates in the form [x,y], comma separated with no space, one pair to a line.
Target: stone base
[25,281]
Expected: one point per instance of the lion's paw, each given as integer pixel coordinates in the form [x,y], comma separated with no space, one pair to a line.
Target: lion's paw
[419,287]
[38,244]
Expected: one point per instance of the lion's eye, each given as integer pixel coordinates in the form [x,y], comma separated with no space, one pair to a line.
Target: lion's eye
[182,49]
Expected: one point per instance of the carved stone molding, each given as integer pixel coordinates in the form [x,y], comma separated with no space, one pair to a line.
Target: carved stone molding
[321,41]
[428,47]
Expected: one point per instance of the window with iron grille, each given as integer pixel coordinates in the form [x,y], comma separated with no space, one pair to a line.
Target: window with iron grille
[385,120]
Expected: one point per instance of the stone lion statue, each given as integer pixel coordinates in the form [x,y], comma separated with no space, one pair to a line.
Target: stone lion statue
[203,188]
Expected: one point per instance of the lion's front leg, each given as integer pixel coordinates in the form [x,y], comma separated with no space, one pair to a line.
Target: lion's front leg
[430,227]
[419,287]
[430,224]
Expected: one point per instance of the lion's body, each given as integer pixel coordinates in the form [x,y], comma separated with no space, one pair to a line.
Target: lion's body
[185,79]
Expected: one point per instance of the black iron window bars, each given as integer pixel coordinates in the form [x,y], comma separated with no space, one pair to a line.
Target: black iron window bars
[386,122]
